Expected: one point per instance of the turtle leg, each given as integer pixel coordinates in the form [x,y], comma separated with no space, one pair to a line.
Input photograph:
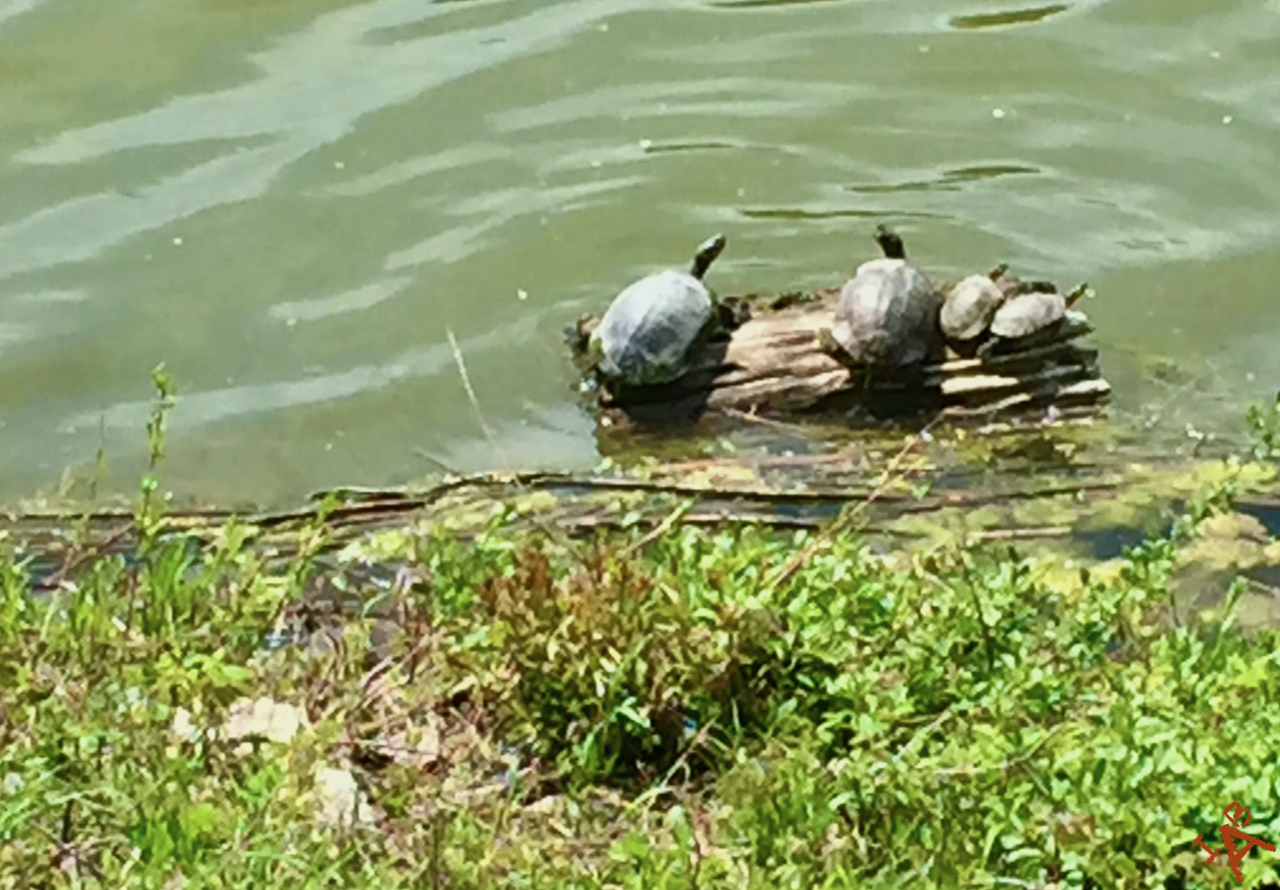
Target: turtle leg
[983,352]
[1037,287]
[732,313]
[828,344]
[579,333]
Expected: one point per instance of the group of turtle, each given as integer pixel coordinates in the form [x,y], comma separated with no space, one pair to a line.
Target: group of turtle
[889,317]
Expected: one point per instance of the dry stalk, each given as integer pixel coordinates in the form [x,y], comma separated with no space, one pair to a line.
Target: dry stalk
[846,519]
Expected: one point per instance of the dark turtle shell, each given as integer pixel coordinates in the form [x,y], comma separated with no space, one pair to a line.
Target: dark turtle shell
[887,314]
[651,332]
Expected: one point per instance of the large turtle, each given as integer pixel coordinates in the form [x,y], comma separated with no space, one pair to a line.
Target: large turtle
[1032,315]
[886,316]
[654,328]
[971,304]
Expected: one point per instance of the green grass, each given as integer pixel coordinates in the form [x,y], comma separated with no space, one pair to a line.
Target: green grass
[539,713]
[520,710]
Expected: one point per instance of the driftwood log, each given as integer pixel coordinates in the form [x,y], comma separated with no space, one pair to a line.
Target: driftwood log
[772,366]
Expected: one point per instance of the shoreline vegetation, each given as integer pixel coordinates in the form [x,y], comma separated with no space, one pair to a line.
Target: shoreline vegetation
[500,700]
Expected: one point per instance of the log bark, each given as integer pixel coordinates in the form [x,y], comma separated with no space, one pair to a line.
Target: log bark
[772,366]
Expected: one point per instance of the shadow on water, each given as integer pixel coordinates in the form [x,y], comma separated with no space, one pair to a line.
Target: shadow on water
[788,213]
[672,147]
[1266,512]
[1003,19]
[754,4]
[950,180]
[1111,542]
[672,407]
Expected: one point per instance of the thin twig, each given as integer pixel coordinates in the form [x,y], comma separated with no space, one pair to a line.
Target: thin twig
[712,520]
[660,529]
[92,552]
[430,458]
[918,737]
[751,417]
[471,393]
[977,608]
[982,620]
[842,522]
[664,786]
[493,442]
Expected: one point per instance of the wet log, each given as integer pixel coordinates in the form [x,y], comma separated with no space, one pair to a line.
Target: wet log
[772,366]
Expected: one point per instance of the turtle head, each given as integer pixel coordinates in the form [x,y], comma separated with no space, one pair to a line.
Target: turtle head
[890,243]
[1037,287]
[581,336]
[707,252]
[1076,293]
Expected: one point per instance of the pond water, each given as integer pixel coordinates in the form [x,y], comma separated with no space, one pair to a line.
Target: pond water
[295,203]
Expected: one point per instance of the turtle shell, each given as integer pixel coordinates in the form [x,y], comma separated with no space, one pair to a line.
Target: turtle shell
[969,307]
[1025,314]
[887,315]
[650,333]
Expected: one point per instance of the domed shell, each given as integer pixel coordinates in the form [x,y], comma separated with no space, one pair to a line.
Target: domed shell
[1025,314]
[651,331]
[887,315]
[970,307]
[648,333]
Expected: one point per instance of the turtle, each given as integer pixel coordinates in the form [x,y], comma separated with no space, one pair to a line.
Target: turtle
[971,304]
[652,331]
[886,316]
[1031,315]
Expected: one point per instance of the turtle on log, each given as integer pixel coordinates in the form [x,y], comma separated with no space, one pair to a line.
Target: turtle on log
[970,305]
[652,332]
[886,316]
[1032,315]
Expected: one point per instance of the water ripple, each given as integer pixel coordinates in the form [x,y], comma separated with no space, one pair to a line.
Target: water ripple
[355,300]
[201,408]
[314,88]
[292,211]
[1010,17]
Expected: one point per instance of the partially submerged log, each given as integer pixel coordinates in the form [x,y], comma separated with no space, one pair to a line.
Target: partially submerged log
[772,366]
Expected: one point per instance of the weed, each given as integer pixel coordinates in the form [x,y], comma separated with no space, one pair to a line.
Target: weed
[660,711]
[1263,424]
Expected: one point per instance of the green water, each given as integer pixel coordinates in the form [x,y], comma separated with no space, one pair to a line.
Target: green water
[292,203]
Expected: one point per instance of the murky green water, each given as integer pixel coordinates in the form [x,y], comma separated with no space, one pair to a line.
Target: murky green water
[292,202]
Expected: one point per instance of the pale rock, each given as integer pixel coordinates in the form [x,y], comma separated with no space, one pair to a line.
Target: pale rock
[263,718]
[339,801]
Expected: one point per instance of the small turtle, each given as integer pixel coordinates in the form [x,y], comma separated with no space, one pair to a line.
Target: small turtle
[651,333]
[1032,315]
[886,316]
[971,304]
